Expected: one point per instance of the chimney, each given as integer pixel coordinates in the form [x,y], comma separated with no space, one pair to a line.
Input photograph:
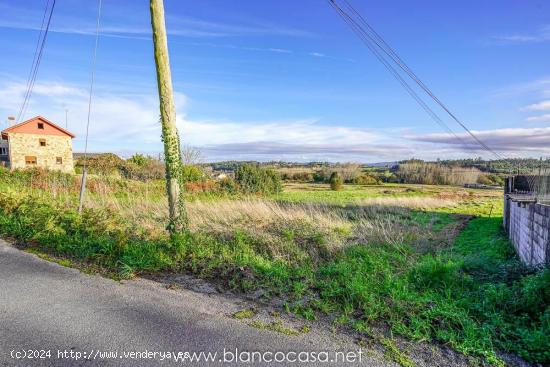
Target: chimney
[11,119]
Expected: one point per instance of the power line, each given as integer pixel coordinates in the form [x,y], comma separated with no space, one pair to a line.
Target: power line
[92,80]
[34,59]
[386,48]
[375,42]
[361,34]
[37,58]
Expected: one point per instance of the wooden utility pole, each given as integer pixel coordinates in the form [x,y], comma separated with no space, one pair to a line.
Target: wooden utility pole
[170,138]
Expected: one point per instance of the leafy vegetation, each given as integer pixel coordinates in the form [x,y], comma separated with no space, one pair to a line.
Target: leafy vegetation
[395,259]
[335,181]
[256,180]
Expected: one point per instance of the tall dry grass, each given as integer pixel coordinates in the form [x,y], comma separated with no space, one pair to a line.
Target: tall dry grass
[316,230]
[282,230]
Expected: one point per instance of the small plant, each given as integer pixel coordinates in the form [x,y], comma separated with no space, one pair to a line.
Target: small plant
[244,314]
[335,181]
[276,326]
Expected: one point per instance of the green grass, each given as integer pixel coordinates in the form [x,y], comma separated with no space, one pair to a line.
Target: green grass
[321,193]
[468,292]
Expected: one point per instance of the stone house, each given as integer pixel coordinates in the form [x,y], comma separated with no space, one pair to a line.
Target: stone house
[37,142]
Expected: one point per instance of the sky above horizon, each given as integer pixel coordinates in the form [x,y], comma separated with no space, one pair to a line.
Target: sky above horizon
[288,80]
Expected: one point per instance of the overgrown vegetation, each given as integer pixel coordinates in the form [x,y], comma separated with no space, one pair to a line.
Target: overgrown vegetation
[335,181]
[256,180]
[404,259]
[420,172]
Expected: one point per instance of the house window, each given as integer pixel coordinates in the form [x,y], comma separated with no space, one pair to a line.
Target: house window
[59,160]
[3,151]
[41,125]
[30,160]
[42,142]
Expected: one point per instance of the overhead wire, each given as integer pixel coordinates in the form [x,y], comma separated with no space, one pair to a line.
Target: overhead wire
[375,42]
[92,80]
[388,50]
[395,73]
[37,58]
[38,41]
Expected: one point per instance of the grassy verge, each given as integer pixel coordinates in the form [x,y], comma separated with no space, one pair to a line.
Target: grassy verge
[364,265]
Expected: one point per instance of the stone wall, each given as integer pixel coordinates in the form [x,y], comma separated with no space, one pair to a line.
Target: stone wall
[528,226]
[57,146]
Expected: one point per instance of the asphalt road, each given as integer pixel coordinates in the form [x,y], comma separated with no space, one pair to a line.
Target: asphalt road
[46,307]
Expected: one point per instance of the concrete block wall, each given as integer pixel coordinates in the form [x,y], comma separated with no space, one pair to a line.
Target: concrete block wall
[528,227]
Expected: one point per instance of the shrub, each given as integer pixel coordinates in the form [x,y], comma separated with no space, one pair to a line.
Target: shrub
[335,181]
[201,186]
[138,159]
[347,172]
[256,180]
[102,164]
[490,179]
[320,176]
[484,180]
[142,168]
[192,174]
[229,185]
[364,179]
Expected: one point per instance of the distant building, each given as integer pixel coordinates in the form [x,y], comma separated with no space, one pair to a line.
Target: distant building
[37,142]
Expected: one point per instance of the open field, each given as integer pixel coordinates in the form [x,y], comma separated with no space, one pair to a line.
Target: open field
[429,263]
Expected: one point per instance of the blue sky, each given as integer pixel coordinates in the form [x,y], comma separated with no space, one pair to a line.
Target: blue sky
[288,80]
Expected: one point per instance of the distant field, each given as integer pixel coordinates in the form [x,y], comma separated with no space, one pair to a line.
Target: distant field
[353,194]
[430,263]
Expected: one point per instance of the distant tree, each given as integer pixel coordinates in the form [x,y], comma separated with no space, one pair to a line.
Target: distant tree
[335,181]
[191,155]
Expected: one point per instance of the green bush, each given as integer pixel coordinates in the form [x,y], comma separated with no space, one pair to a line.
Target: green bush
[192,173]
[364,179]
[256,180]
[102,164]
[97,237]
[490,179]
[229,185]
[138,159]
[335,181]
[143,169]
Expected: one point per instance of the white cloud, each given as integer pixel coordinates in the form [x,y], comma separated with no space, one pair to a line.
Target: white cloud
[317,54]
[280,50]
[300,132]
[121,123]
[541,118]
[538,87]
[513,140]
[136,24]
[541,106]
[540,35]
